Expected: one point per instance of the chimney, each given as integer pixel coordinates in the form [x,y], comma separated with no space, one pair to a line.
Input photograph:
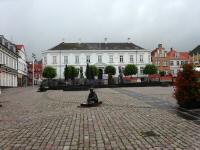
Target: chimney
[159,45]
[79,41]
[129,40]
[63,40]
[106,40]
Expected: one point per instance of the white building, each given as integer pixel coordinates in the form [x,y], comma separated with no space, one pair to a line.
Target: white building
[99,54]
[22,66]
[8,63]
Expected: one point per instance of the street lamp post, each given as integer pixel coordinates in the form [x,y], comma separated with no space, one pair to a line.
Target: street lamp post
[33,56]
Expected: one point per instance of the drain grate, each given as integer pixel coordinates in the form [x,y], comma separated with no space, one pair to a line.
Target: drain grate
[149,133]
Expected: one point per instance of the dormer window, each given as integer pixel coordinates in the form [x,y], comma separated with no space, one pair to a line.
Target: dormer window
[177,55]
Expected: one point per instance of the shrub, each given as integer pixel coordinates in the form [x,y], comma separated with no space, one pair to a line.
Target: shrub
[162,73]
[100,74]
[150,69]
[130,69]
[49,72]
[73,72]
[66,73]
[110,70]
[93,71]
[187,87]
[81,73]
[87,72]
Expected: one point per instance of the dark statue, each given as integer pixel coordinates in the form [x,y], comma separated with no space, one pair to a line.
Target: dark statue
[92,100]
[41,88]
[92,97]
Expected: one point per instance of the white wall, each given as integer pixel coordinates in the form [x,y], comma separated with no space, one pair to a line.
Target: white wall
[8,79]
[48,55]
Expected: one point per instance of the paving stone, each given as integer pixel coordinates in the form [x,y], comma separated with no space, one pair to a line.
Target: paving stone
[52,120]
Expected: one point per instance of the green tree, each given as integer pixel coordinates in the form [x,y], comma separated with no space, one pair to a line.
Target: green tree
[81,72]
[49,72]
[162,73]
[110,70]
[130,69]
[150,69]
[66,73]
[100,74]
[73,72]
[93,71]
[87,72]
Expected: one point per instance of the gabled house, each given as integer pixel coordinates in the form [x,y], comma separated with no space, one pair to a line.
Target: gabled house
[177,60]
[195,55]
[160,59]
[22,66]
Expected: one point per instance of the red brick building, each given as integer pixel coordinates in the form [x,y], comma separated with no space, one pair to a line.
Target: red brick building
[37,72]
[177,60]
[169,61]
[159,58]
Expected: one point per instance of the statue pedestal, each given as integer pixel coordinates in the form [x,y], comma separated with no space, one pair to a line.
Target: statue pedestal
[91,104]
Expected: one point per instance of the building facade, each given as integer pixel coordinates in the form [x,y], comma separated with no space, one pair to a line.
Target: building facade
[99,54]
[169,61]
[8,63]
[177,60]
[37,72]
[160,59]
[195,56]
[22,66]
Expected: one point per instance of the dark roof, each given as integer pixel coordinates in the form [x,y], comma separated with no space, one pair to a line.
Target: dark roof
[96,46]
[195,51]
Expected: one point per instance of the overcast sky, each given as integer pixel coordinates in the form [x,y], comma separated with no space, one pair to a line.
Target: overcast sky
[42,24]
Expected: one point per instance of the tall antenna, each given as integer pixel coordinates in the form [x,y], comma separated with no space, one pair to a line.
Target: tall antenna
[63,40]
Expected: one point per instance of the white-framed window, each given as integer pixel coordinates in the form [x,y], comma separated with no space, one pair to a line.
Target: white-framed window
[1,57]
[88,58]
[171,63]
[177,55]
[141,70]
[65,59]
[165,63]
[13,64]
[99,59]
[7,60]
[131,59]
[149,58]
[4,62]
[45,60]
[141,58]
[177,63]
[54,60]
[10,62]
[111,58]
[77,59]
[121,58]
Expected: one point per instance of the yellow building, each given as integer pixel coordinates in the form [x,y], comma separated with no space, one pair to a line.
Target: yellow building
[195,55]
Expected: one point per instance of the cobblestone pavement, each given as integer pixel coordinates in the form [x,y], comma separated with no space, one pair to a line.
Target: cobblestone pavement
[129,118]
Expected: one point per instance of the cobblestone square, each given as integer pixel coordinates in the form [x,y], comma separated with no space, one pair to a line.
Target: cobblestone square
[129,118]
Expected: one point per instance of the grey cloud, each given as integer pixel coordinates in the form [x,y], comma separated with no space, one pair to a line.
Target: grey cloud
[40,24]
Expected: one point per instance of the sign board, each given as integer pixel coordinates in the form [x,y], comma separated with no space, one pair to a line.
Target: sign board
[105,76]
